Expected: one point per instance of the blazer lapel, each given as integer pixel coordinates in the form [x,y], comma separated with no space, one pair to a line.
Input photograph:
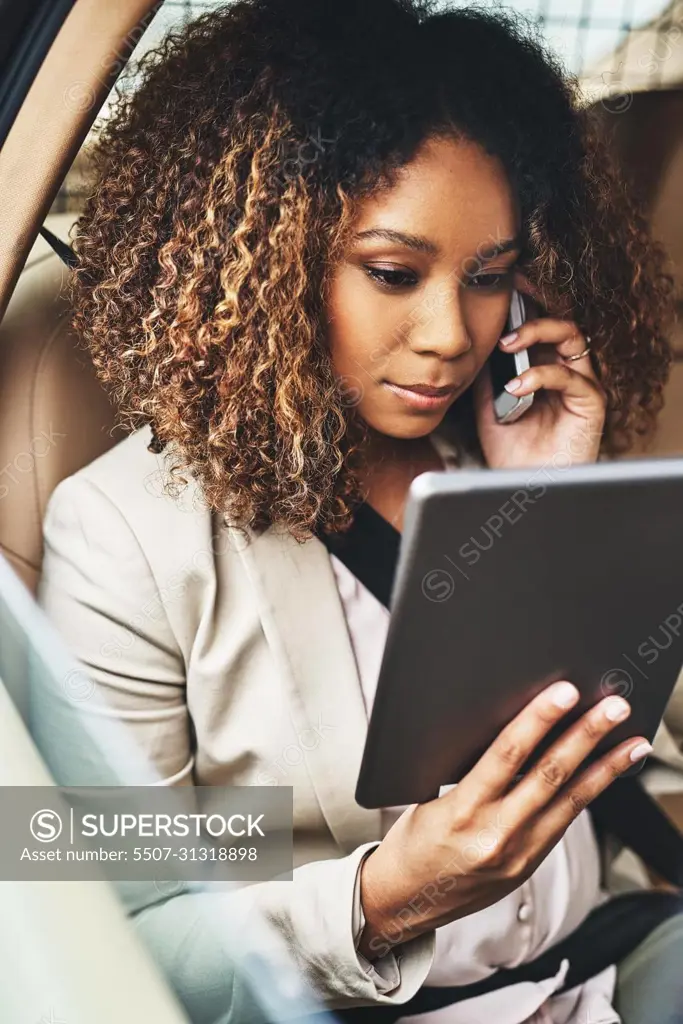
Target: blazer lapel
[304,623]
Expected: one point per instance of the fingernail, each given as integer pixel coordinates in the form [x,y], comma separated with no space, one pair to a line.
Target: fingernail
[509,338]
[642,750]
[563,695]
[616,708]
[513,384]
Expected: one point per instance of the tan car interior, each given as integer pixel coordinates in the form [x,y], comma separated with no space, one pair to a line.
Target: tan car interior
[54,416]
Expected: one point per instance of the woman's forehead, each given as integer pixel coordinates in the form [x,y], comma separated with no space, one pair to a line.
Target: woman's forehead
[453,195]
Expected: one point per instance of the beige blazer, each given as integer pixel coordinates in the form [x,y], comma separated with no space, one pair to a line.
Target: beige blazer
[229,663]
[212,654]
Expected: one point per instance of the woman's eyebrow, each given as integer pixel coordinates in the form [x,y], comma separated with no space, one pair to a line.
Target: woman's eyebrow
[400,238]
[422,244]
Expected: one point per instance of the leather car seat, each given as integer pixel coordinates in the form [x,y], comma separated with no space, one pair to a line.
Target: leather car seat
[54,414]
[648,135]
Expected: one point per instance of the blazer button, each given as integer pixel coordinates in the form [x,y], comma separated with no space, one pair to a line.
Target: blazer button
[524,912]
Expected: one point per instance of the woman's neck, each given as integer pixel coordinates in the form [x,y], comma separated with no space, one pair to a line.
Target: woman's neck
[391,465]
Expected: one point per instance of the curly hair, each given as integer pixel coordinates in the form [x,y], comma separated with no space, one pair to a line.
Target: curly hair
[226,181]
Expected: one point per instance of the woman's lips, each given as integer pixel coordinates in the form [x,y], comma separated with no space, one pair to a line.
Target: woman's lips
[422,397]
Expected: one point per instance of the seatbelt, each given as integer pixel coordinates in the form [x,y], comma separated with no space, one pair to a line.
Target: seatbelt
[370,550]
[64,251]
[606,936]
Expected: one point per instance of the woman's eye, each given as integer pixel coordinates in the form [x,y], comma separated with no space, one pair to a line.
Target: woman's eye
[387,277]
[501,279]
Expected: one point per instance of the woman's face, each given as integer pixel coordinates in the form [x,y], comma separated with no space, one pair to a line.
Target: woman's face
[421,295]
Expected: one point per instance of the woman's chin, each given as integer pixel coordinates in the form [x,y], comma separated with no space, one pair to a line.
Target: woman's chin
[406,427]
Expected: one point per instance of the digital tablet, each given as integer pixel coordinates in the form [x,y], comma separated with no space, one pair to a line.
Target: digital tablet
[507,581]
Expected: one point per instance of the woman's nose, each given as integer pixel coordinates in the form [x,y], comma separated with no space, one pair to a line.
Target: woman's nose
[442,330]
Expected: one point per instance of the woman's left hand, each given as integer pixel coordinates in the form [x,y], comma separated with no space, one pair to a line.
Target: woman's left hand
[568,413]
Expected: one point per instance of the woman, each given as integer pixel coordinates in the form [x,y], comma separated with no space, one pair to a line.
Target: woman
[296,261]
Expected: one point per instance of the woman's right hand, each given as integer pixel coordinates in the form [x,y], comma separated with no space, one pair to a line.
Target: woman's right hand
[468,849]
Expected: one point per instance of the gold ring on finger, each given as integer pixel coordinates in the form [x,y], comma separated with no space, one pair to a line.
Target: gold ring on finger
[579,355]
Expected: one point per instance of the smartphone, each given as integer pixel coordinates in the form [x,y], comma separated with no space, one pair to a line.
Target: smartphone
[506,365]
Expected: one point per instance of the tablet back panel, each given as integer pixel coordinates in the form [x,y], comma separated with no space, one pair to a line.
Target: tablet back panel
[507,581]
